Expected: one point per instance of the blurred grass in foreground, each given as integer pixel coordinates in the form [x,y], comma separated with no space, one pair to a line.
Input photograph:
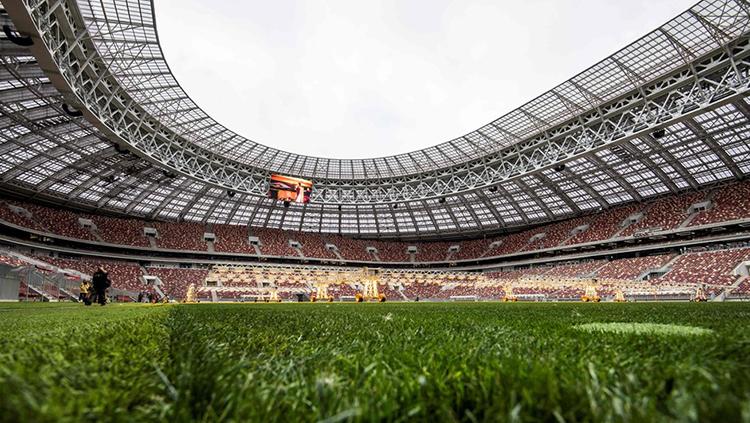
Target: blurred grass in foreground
[372,362]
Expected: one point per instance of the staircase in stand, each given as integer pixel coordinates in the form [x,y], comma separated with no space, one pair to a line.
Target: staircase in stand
[161,293]
[731,288]
[42,292]
[668,265]
[71,295]
[95,234]
[688,219]
[593,273]
[571,236]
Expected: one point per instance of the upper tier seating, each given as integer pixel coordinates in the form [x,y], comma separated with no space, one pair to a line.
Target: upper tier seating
[431,251]
[731,202]
[389,251]
[665,214]
[350,249]
[512,243]
[60,221]
[313,245]
[274,242]
[19,220]
[605,225]
[120,231]
[232,239]
[181,236]
[474,248]
[554,234]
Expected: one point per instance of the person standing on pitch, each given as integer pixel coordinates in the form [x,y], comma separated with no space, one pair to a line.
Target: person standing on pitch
[101,283]
[86,294]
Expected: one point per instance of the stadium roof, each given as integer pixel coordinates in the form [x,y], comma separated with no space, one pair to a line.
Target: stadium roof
[90,115]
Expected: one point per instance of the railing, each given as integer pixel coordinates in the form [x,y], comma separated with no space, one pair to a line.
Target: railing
[56,287]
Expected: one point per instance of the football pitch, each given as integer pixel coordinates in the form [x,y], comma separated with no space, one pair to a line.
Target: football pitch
[376,362]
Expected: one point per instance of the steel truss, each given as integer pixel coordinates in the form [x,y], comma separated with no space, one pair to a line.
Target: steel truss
[703,83]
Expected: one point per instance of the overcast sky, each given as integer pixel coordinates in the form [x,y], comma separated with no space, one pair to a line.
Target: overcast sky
[353,79]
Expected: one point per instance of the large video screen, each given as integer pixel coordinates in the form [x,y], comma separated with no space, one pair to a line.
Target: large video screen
[289,189]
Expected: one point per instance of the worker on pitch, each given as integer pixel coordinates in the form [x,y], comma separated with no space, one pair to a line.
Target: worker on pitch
[87,291]
[101,283]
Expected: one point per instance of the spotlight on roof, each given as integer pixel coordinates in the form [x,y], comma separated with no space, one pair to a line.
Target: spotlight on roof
[120,149]
[16,38]
[395,205]
[230,193]
[286,204]
[659,133]
[559,168]
[493,189]
[70,111]
[170,175]
[441,200]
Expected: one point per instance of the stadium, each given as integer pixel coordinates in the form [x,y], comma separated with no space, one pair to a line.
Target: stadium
[583,257]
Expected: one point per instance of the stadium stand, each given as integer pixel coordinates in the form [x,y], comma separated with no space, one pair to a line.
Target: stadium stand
[575,270]
[175,281]
[707,267]
[313,245]
[19,219]
[274,242]
[60,221]
[664,214]
[349,249]
[731,202]
[604,225]
[123,274]
[631,268]
[743,289]
[180,236]
[554,234]
[512,243]
[10,261]
[550,223]
[564,281]
[433,251]
[120,231]
[476,248]
[232,239]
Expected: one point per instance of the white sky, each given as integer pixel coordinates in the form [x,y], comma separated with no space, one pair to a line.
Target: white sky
[354,79]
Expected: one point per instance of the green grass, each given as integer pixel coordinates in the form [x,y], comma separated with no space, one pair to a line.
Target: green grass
[372,362]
